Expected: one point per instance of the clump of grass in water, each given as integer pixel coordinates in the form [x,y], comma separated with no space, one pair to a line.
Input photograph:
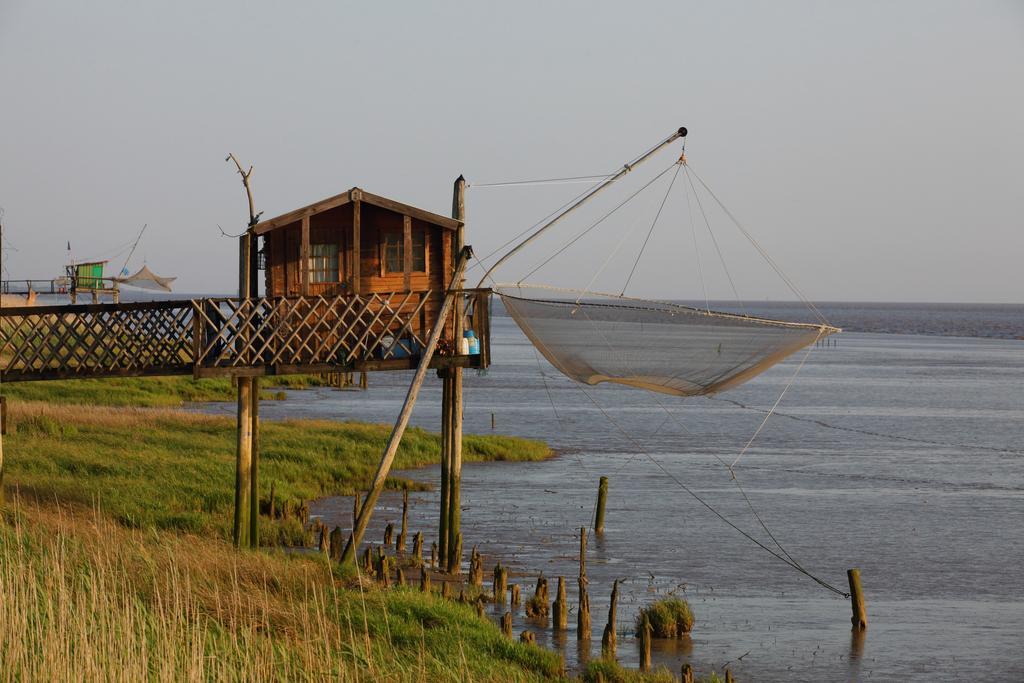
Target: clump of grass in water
[669,618]
[609,671]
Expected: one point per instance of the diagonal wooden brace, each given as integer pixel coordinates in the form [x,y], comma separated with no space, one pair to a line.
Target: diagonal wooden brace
[403,416]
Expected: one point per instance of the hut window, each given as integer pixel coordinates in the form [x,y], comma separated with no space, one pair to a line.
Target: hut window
[323,262]
[394,252]
[393,247]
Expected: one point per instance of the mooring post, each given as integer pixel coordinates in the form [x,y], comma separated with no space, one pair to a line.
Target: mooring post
[860,613]
[455,375]
[602,501]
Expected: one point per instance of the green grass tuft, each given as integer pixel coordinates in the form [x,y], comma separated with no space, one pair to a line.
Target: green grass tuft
[669,617]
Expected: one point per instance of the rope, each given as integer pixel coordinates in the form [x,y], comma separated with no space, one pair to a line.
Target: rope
[710,508]
[778,270]
[715,241]
[775,405]
[647,239]
[597,223]
[696,249]
[542,181]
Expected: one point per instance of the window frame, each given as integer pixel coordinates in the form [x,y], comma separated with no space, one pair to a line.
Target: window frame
[329,263]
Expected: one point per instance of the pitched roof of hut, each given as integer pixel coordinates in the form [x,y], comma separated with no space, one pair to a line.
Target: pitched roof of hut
[350,196]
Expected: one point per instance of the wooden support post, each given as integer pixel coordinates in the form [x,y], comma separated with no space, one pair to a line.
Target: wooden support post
[860,613]
[455,398]
[538,607]
[336,539]
[3,430]
[325,542]
[391,449]
[686,674]
[243,463]
[514,598]
[254,477]
[425,580]
[608,638]
[476,568]
[602,501]
[728,676]
[399,576]
[560,607]
[583,613]
[446,462]
[389,531]
[644,642]
[433,555]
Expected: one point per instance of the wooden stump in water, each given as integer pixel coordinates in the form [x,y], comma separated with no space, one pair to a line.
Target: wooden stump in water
[645,644]
[560,607]
[506,624]
[417,548]
[368,560]
[399,576]
[479,608]
[527,637]
[455,556]
[389,532]
[425,580]
[583,615]
[514,598]
[400,543]
[476,568]
[686,674]
[433,555]
[537,606]
[728,676]
[500,582]
[336,542]
[608,638]
[446,590]
[860,613]
[602,501]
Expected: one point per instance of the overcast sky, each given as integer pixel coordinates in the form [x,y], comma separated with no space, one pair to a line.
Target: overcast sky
[875,149]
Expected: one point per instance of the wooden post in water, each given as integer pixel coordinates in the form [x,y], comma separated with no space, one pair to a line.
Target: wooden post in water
[336,540]
[560,607]
[686,674]
[608,639]
[424,580]
[389,532]
[417,548]
[446,463]
[860,613]
[514,599]
[500,583]
[583,613]
[400,543]
[645,644]
[506,625]
[325,542]
[455,394]
[388,457]
[433,555]
[602,501]
[728,676]
[355,508]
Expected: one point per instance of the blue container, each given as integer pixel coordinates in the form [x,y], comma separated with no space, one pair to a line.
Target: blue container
[474,343]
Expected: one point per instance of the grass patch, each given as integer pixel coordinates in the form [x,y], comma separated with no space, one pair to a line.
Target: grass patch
[669,617]
[609,671]
[167,469]
[151,392]
[87,599]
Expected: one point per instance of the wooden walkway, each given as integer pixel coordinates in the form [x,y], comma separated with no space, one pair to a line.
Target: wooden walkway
[230,336]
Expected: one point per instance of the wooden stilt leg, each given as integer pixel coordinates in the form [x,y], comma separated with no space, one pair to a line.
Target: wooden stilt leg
[254,489]
[446,436]
[243,462]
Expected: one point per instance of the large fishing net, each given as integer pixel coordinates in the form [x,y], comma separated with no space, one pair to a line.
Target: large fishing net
[659,346]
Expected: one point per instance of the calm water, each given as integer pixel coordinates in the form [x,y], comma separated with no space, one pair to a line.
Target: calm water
[900,454]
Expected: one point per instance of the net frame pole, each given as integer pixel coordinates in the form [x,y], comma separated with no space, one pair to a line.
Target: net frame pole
[680,133]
